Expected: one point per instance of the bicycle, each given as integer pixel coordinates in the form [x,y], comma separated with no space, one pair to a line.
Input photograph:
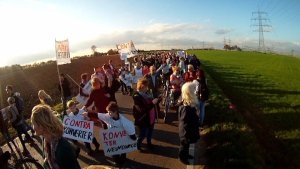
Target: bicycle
[20,163]
[167,99]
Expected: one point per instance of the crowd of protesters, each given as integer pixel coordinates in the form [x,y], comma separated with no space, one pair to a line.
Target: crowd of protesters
[144,83]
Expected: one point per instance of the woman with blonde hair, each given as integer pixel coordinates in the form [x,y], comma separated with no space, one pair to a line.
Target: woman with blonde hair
[188,121]
[45,98]
[59,153]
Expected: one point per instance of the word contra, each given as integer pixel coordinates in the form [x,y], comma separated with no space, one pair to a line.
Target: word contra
[77,123]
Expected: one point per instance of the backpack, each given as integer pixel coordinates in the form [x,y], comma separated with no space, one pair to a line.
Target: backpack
[19,102]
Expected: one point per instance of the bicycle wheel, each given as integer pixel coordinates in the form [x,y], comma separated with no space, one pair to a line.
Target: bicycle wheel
[165,95]
[167,107]
[28,163]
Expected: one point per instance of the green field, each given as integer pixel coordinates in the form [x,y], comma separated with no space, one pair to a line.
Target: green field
[264,87]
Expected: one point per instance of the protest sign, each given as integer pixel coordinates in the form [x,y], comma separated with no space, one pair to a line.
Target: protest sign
[127,48]
[62,52]
[87,89]
[181,53]
[80,130]
[116,141]
[123,56]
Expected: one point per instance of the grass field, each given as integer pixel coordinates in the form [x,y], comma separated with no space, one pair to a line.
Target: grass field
[230,142]
[264,87]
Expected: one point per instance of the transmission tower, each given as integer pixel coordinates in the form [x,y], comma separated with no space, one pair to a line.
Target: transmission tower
[261,22]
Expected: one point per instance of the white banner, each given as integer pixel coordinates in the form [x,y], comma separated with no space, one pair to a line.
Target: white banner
[116,141]
[62,52]
[80,130]
[87,89]
[123,56]
[127,48]
[181,53]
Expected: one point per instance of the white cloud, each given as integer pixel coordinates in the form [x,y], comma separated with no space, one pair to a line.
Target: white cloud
[153,36]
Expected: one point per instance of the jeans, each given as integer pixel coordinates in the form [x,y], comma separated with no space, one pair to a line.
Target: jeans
[145,132]
[201,111]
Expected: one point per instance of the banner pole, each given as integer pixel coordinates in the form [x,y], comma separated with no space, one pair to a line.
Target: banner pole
[74,81]
[58,73]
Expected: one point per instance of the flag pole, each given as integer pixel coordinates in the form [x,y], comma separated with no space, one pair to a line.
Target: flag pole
[73,81]
[58,73]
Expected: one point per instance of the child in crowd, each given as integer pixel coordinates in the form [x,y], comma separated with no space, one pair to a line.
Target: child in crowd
[77,113]
[129,80]
[114,119]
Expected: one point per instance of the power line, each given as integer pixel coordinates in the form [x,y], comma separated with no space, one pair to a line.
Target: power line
[261,18]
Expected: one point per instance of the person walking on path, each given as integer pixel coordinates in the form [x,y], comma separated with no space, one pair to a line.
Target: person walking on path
[15,119]
[58,152]
[64,88]
[4,130]
[144,113]
[78,114]
[188,121]
[114,119]
[19,103]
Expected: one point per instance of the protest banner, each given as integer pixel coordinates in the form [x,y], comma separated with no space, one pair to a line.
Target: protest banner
[62,52]
[127,48]
[181,53]
[87,89]
[123,56]
[116,141]
[80,130]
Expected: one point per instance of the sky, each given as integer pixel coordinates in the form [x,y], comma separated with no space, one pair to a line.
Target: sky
[29,28]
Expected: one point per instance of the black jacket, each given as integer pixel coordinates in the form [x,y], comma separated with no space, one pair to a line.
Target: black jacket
[141,110]
[188,124]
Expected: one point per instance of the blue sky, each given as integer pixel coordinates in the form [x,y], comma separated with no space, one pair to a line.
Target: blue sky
[29,27]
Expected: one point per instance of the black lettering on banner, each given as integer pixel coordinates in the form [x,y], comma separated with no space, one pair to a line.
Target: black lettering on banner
[121,147]
[78,133]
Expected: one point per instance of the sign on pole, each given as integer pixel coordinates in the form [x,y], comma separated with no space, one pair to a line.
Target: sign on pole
[127,48]
[116,141]
[62,52]
[80,130]
[123,56]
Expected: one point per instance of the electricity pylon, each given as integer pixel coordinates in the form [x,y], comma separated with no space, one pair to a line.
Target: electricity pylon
[261,22]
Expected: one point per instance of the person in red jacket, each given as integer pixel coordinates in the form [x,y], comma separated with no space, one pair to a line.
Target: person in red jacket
[190,75]
[98,97]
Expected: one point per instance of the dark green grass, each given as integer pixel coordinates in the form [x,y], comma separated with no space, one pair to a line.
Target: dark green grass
[230,142]
[266,85]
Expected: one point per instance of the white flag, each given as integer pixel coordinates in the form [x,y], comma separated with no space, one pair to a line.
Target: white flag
[62,52]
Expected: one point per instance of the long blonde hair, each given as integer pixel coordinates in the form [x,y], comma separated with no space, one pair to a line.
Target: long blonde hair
[43,116]
[188,94]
